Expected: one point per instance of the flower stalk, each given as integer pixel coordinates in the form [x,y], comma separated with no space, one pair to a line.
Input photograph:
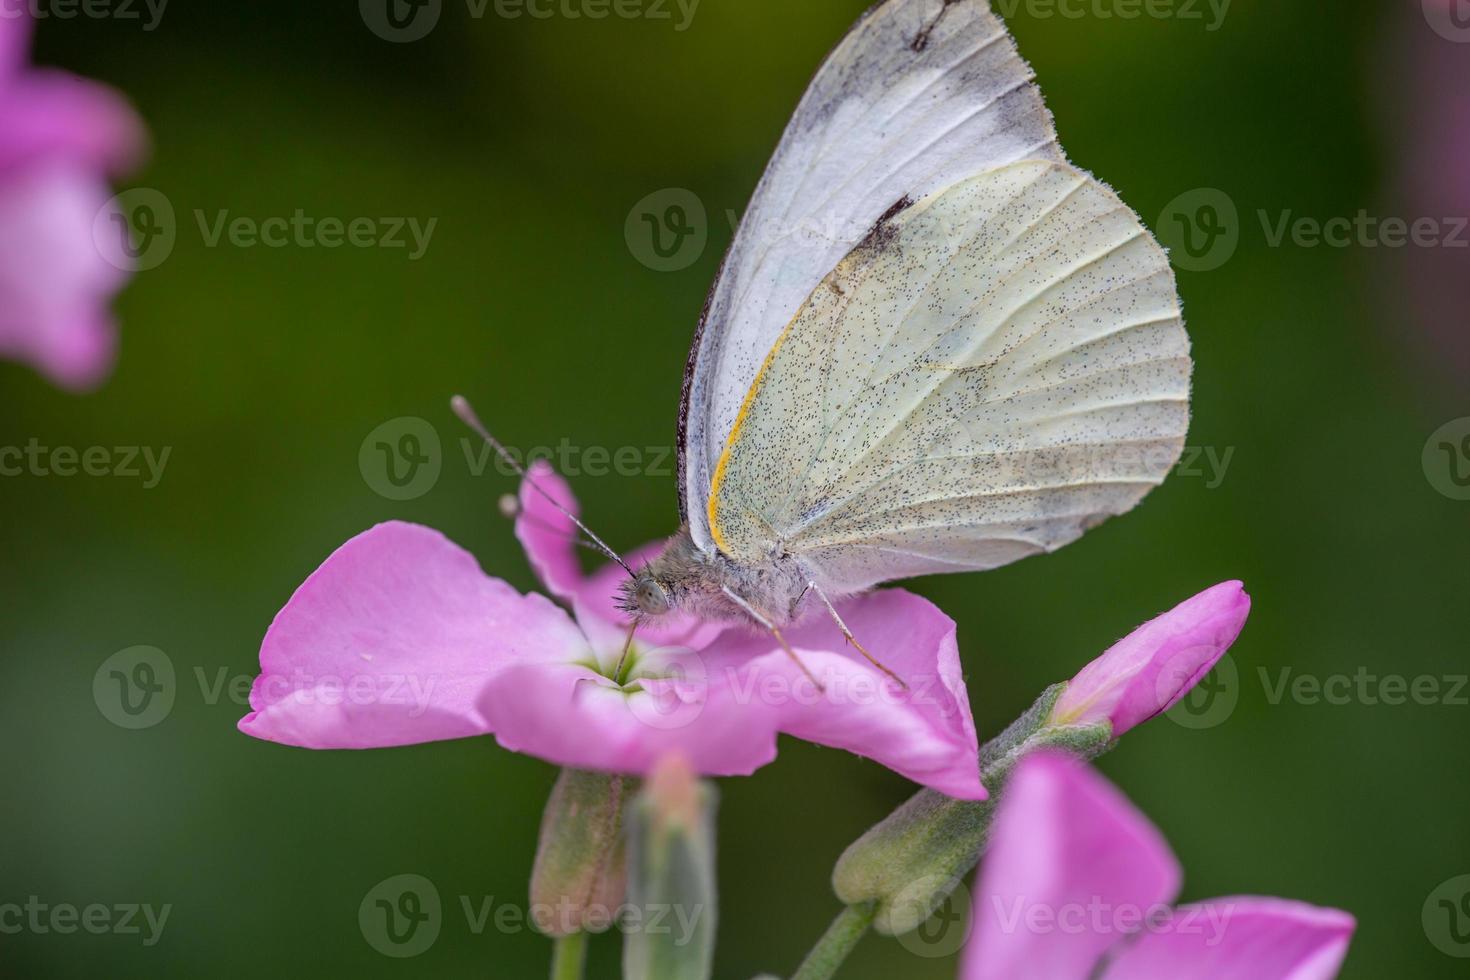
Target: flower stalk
[837,943]
[569,957]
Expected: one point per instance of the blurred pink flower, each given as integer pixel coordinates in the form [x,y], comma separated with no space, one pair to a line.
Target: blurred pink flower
[399,638]
[1078,885]
[1149,670]
[60,137]
[1426,114]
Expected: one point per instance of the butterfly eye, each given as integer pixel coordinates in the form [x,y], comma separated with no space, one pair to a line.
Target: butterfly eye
[651,598]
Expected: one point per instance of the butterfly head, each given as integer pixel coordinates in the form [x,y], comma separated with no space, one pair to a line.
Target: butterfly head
[644,595]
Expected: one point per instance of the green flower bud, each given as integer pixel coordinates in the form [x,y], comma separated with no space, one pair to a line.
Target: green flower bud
[909,863]
[670,918]
[580,874]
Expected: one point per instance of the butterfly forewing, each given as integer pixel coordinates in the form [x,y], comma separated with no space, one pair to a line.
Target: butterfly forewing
[920,95]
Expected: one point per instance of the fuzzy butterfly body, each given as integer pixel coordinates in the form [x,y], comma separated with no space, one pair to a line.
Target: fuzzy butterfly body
[934,344]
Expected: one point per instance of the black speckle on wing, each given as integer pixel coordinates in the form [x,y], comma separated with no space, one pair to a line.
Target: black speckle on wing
[921,40]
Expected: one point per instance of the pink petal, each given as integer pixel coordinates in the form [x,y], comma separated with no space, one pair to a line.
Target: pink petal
[573,716]
[1428,125]
[1149,670]
[55,278]
[546,534]
[1240,939]
[15,40]
[392,640]
[925,732]
[1064,843]
[549,539]
[722,707]
[54,115]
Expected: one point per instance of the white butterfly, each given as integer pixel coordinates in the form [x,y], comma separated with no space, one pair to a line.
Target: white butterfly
[933,346]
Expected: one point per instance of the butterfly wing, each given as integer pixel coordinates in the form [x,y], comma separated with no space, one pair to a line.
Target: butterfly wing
[995,369]
[919,95]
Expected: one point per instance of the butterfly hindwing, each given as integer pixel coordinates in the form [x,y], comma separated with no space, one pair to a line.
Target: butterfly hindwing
[996,368]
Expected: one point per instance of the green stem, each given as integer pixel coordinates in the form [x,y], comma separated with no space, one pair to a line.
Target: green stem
[836,943]
[569,957]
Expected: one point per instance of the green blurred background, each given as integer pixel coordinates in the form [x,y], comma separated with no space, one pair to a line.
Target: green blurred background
[530,141]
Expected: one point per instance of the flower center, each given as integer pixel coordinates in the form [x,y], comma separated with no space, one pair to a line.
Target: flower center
[624,678]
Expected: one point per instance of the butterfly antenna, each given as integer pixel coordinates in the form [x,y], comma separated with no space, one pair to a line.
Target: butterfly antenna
[461,407]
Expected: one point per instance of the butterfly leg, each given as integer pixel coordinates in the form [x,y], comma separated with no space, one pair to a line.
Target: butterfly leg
[832,611]
[776,632]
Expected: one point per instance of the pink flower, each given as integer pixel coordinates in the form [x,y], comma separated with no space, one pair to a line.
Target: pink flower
[1078,884]
[1149,670]
[1425,108]
[399,638]
[60,136]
